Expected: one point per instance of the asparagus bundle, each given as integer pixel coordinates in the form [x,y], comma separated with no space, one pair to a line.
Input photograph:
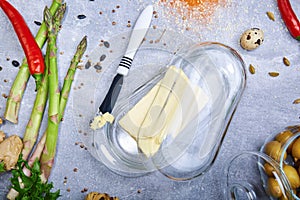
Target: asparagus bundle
[32,128]
[33,178]
[19,85]
[33,161]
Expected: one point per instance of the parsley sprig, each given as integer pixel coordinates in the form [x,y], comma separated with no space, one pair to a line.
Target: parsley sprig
[2,169]
[31,187]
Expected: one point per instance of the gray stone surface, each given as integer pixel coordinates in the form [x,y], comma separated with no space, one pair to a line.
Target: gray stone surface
[265,108]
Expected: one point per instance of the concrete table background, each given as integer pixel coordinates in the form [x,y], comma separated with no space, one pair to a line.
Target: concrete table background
[265,108]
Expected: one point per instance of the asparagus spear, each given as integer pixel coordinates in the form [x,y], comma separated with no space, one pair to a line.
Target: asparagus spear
[47,157]
[18,87]
[34,123]
[70,75]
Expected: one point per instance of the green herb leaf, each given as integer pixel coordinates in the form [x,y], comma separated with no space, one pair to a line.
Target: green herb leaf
[2,169]
[31,188]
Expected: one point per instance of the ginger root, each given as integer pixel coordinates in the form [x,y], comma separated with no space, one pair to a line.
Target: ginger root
[10,149]
[2,136]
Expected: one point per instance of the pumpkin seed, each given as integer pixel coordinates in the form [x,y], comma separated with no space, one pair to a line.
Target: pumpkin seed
[286,61]
[102,57]
[274,74]
[88,64]
[271,16]
[106,44]
[251,69]
[296,101]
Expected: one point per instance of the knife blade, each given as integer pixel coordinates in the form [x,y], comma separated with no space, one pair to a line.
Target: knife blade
[137,35]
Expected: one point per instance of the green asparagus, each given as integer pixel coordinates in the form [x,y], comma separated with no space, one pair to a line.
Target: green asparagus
[47,157]
[19,85]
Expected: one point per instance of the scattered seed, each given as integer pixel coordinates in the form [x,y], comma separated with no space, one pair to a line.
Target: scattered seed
[271,16]
[113,10]
[286,61]
[5,81]
[15,63]
[81,16]
[88,64]
[75,169]
[98,66]
[114,23]
[68,190]
[1,68]
[7,59]
[274,74]
[128,25]
[82,146]
[118,6]
[251,69]
[296,101]
[102,57]
[106,44]
[37,23]
[4,95]
[139,191]
[100,12]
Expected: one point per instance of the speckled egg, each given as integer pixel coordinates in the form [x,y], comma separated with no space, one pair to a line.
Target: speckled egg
[252,38]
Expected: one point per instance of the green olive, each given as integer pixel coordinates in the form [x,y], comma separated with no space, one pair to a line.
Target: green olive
[273,149]
[269,169]
[274,188]
[292,175]
[296,149]
[283,137]
[283,197]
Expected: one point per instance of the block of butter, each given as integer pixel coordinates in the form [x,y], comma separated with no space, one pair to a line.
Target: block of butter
[164,111]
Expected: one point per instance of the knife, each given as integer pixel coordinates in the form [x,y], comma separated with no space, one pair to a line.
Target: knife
[137,35]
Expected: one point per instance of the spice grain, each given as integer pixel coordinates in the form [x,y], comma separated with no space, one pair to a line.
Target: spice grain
[271,16]
[273,74]
[251,69]
[286,61]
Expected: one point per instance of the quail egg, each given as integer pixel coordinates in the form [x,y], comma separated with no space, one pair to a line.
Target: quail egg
[252,38]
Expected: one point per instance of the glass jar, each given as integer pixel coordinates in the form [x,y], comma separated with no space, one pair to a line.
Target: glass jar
[271,173]
[174,121]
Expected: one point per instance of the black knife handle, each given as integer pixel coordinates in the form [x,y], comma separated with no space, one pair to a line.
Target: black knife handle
[112,94]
